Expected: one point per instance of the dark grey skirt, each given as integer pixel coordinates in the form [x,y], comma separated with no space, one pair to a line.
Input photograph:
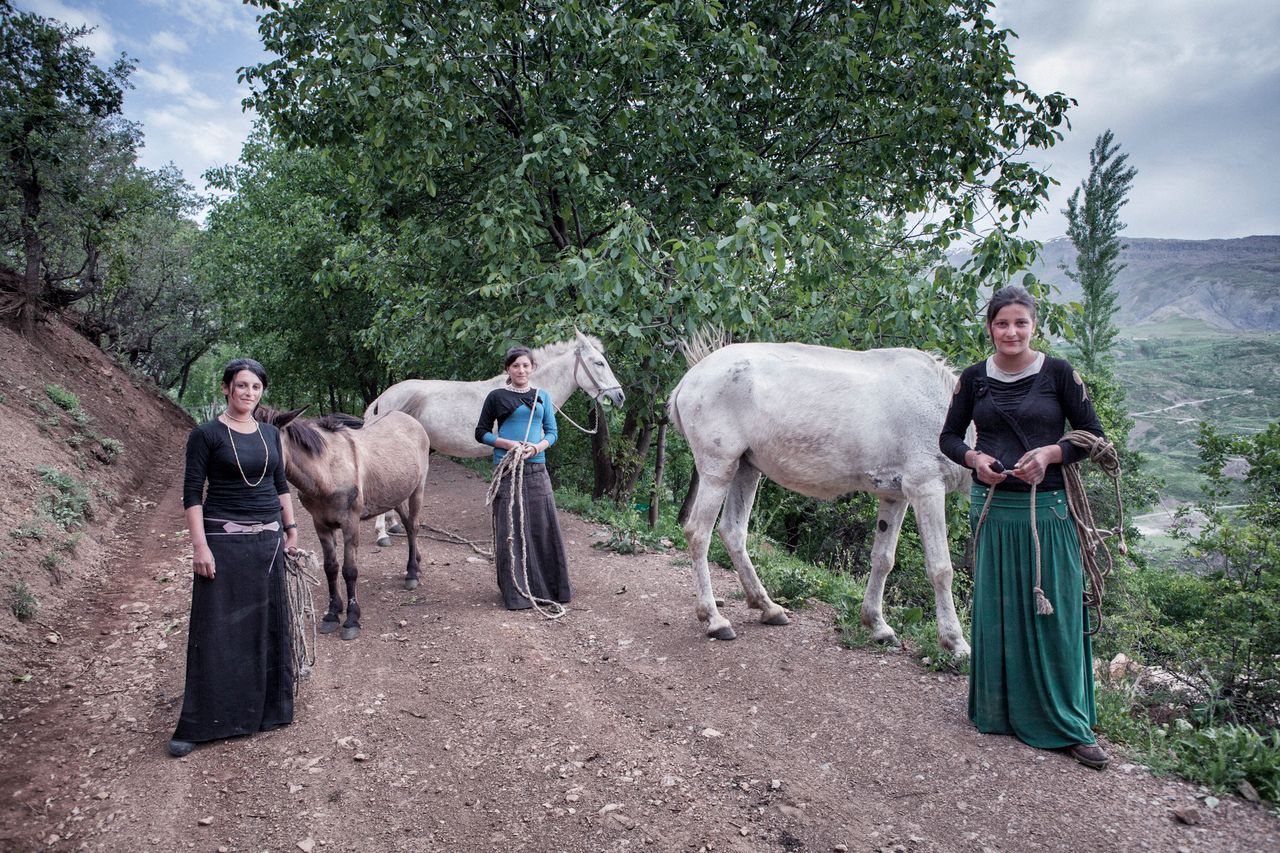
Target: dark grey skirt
[239,655]
[547,566]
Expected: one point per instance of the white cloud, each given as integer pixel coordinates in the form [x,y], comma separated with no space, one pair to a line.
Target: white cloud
[168,42]
[102,41]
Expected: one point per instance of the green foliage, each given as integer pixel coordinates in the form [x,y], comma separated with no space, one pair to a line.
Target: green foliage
[1094,226]
[68,504]
[112,449]
[32,529]
[64,147]
[52,563]
[23,602]
[61,397]
[629,531]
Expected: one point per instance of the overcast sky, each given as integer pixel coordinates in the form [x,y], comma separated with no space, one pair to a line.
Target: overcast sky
[1191,89]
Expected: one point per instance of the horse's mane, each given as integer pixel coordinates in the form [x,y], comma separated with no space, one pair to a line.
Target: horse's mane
[945,371]
[702,343]
[549,352]
[308,435]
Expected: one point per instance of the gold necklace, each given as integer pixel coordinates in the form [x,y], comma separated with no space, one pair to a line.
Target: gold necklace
[265,462]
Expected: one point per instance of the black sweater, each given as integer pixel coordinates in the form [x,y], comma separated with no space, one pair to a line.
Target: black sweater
[1053,396]
[210,457]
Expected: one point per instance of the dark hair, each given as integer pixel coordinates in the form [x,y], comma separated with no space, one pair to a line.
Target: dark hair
[1012,294]
[513,354]
[238,364]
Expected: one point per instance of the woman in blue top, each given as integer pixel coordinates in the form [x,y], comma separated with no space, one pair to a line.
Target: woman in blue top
[514,420]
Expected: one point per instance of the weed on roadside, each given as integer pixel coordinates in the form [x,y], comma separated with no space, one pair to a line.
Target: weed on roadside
[23,602]
[68,504]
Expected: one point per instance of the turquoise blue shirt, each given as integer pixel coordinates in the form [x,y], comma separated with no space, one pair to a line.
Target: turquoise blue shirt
[510,411]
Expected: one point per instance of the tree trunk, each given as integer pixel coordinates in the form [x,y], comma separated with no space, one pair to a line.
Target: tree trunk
[605,474]
[628,488]
[29,286]
[659,466]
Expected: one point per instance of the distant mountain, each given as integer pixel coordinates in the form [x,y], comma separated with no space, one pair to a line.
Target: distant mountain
[1227,284]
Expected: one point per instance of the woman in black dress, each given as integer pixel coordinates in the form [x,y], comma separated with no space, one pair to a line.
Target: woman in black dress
[520,419]
[239,656]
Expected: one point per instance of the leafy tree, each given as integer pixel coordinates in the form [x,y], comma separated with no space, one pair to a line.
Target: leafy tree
[154,309]
[63,144]
[644,170]
[274,252]
[1094,226]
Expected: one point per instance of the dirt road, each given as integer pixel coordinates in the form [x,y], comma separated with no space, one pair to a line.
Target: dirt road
[451,724]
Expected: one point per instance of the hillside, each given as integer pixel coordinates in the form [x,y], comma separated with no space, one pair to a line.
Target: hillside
[1225,284]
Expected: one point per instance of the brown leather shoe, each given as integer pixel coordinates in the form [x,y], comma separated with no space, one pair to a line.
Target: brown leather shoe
[1090,755]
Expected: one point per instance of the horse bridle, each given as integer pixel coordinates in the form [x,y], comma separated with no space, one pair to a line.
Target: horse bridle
[600,389]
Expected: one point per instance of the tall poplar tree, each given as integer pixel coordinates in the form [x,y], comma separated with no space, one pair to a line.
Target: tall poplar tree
[1094,226]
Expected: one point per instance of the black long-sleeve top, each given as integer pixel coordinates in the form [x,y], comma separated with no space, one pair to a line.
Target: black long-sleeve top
[210,457]
[1014,417]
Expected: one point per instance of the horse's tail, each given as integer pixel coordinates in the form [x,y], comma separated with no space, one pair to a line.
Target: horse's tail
[702,343]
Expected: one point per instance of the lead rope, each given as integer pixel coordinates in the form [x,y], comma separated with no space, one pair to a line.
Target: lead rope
[299,567]
[511,467]
[1091,539]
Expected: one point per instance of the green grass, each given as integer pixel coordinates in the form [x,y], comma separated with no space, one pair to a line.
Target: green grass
[1179,373]
[23,602]
[67,504]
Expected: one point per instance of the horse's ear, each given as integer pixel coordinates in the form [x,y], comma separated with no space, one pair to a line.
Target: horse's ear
[289,417]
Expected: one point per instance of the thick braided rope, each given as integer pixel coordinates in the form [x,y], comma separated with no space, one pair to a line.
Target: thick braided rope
[299,568]
[1103,453]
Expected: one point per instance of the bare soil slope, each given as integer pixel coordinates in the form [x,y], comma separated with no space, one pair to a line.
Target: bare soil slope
[452,724]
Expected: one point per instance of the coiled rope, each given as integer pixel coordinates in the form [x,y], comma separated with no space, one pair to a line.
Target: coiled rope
[301,569]
[1104,454]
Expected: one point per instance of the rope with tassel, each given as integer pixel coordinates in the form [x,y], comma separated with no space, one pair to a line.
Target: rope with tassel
[301,569]
[1103,453]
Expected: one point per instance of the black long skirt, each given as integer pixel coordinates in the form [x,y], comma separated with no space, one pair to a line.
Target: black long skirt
[239,654]
[547,566]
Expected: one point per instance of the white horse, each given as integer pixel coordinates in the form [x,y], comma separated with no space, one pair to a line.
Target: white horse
[450,409]
[822,422]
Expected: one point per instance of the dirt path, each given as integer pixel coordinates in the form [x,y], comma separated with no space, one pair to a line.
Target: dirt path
[452,724]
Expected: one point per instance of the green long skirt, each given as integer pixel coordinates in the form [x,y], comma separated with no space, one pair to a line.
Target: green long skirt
[1030,675]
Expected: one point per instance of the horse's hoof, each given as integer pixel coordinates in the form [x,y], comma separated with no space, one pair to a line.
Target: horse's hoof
[890,639]
[327,627]
[410,583]
[383,542]
[778,618]
[724,632]
[395,527]
[958,650]
[350,632]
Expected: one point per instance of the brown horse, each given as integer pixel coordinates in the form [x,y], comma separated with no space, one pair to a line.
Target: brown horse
[347,470]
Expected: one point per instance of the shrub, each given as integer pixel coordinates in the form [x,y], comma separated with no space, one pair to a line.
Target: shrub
[62,398]
[111,449]
[23,602]
[69,504]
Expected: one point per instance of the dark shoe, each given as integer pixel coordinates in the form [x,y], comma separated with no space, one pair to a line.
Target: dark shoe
[1090,755]
[179,748]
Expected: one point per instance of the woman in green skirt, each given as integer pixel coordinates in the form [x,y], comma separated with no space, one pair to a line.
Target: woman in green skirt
[1031,673]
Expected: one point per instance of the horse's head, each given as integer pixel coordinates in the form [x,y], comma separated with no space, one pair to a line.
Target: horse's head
[592,372]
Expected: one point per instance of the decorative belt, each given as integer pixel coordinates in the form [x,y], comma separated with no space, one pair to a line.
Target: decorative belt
[253,528]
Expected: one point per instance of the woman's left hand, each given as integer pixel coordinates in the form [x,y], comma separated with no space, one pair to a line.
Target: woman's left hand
[291,539]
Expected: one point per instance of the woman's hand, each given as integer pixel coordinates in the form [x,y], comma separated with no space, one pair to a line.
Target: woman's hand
[291,539]
[1033,464]
[989,469]
[202,561]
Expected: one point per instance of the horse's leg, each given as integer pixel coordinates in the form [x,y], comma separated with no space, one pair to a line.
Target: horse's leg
[697,530]
[733,530]
[883,554]
[329,548]
[382,540]
[408,512]
[931,519]
[350,574]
